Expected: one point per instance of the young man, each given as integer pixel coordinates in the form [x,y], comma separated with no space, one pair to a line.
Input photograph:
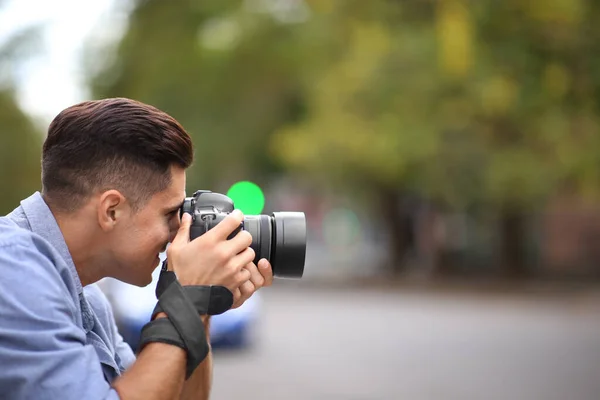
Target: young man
[113,179]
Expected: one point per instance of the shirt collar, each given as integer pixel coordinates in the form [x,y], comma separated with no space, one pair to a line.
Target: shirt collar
[43,223]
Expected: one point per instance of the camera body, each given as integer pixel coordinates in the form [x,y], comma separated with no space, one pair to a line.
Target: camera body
[279,237]
[207,210]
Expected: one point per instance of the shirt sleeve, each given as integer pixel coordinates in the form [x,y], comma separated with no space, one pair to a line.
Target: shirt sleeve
[43,352]
[123,350]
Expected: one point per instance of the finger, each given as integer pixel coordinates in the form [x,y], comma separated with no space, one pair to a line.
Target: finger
[241,260]
[242,276]
[237,294]
[228,225]
[255,276]
[183,233]
[265,269]
[247,289]
[240,242]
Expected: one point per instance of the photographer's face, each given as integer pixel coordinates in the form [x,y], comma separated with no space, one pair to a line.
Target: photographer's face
[143,235]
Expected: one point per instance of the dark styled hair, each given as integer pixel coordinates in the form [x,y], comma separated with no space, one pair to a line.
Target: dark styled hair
[107,144]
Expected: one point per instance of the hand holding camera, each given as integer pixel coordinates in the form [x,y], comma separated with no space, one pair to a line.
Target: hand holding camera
[212,266]
[212,259]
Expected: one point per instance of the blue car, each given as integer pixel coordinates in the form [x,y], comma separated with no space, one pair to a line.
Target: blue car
[133,307]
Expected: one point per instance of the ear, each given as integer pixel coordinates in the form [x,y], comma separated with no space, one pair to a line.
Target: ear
[112,208]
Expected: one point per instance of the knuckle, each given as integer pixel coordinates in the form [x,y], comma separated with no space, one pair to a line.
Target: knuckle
[242,277]
[244,289]
[247,288]
[237,272]
[234,218]
[222,254]
[232,288]
[232,270]
[251,253]
[246,236]
[260,281]
[172,250]
[239,280]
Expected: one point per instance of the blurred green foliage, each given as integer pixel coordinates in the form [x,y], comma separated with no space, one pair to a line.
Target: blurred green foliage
[19,154]
[20,140]
[464,103]
[230,77]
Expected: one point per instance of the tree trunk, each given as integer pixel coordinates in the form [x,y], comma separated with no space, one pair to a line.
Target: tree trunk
[512,244]
[427,241]
[396,216]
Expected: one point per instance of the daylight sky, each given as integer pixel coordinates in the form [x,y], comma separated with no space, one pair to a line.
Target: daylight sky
[52,80]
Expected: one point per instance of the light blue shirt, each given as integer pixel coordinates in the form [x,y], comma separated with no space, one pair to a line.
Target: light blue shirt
[58,340]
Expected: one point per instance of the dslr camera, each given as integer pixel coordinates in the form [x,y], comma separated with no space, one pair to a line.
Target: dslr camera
[279,237]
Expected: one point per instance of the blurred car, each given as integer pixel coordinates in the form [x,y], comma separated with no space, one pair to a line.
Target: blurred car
[133,307]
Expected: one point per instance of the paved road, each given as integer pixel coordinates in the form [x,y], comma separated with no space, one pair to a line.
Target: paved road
[419,346]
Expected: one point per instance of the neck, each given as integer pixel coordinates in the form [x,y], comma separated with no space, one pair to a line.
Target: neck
[81,242]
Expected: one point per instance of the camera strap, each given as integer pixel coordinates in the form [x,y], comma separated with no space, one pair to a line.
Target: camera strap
[160,330]
[207,300]
[183,326]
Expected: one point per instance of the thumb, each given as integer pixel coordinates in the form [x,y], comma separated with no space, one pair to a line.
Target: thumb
[183,234]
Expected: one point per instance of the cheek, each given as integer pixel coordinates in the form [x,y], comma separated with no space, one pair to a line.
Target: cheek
[136,243]
[146,241]
[154,240]
[173,228]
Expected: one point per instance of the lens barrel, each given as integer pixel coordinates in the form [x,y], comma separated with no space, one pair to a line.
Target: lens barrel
[281,239]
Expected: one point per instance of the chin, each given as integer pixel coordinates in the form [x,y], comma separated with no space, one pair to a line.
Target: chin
[144,282]
[140,281]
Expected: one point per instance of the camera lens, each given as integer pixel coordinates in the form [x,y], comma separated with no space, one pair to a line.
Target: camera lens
[261,229]
[281,239]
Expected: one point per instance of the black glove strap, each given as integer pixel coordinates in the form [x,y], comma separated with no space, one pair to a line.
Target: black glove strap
[183,306]
[211,300]
[160,330]
[183,327]
[187,322]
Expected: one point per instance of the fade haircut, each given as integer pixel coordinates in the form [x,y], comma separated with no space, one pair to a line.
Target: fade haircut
[107,144]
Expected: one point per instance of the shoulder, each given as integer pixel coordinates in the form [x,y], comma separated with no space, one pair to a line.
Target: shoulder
[20,245]
[14,236]
[9,229]
[29,261]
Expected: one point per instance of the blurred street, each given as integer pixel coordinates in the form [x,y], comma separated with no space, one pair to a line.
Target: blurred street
[417,345]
